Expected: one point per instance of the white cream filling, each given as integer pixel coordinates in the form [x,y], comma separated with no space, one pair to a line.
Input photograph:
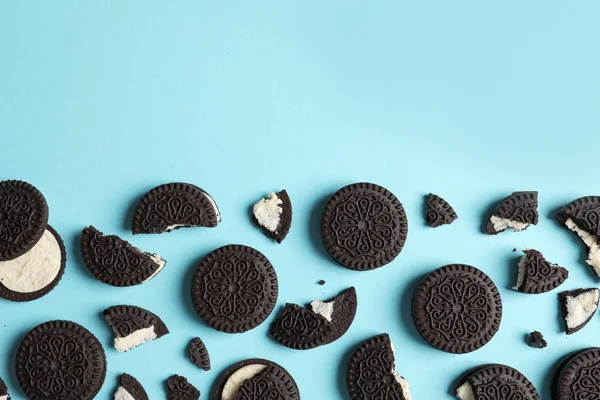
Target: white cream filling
[268,212]
[5,397]
[161,264]
[400,379]
[174,226]
[35,269]
[591,242]
[122,394]
[235,381]
[214,205]
[522,269]
[580,308]
[135,339]
[465,392]
[501,224]
[323,309]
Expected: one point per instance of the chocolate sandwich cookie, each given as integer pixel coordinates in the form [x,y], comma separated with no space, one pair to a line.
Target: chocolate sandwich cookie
[198,354]
[537,275]
[178,388]
[363,226]
[578,376]
[60,360]
[578,307]
[274,215]
[130,389]
[3,391]
[517,212]
[114,261]
[173,206]
[35,273]
[255,379]
[495,382]
[23,218]
[372,372]
[536,340]
[234,288]
[439,212]
[319,324]
[457,308]
[133,326]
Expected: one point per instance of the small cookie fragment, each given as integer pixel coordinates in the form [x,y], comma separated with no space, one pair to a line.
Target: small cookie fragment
[495,382]
[172,206]
[517,212]
[133,326]
[3,391]
[578,308]
[439,212]
[322,282]
[577,376]
[178,388]
[274,215]
[372,372]
[537,275]
[198,354]
[536,340]
[130,389]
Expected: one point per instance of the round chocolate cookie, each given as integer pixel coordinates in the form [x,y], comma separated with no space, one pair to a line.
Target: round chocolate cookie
[255,379]
[23,218]
[60,360]
[363,226]
[457,308]
[234,288]
[495,382]
[578,376]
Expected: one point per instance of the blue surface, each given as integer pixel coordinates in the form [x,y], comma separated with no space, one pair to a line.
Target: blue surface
[101,102]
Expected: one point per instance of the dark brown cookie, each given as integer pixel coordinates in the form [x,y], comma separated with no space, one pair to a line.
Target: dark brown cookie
[172,206]
[4,390]
[536,340]
[114,261]
[129,386]
[578,376]
[302,328]
[198,354]
[517,212]
[178,388]
[578,307]
[234,288]
[495,382]
[457,308]
[439,212]
[363,226]
[35,273]
[274,215]
[536,275]
[372,372]
[60,360]
[133,326]
[256,379]
[23,218]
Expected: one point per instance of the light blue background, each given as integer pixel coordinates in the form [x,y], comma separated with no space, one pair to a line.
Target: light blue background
[101,101]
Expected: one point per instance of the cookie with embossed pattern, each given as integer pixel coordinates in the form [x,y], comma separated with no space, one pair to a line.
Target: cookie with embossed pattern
[363,226]
[537,275]
[255,379]
[439,212]
[23,218]
[130,389]
[173,206]
[495,382]
[60,360]
[457,308]
[517,212]
[179,388]
[322,322]
[198,354]
[234,288]
[372,372]
[114,261]
[3,391]
[578,307]
[578,376]
[133,326]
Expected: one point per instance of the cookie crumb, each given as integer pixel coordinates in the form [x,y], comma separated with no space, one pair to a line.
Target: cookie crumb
[321,282]
[536,340]
[514,250]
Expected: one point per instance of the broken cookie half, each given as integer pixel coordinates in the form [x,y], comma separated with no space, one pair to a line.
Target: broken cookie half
[495,382]
[578,308]
[133,326]
[179,388]
[3,391]
[274,215]
[321,323]
[517,212]
[130,389]
[439,212]
[536,275]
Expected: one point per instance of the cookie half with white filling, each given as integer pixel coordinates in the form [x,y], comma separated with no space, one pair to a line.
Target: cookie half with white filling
[130,389]
[578,307]
[274,215]
[133,326]
[517,212]
[3,391]
[495,382]
[537,275]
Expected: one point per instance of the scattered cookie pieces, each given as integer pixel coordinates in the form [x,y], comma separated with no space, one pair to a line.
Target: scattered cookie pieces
[172,206]
[536,340]
[321,282]
[578,308]
[178,388]
[198,354]
[517,212]
[130,389]
[274,215]
[577,376]
[495,382]
[439,212]
[133,326]
[3,391]
[537,275]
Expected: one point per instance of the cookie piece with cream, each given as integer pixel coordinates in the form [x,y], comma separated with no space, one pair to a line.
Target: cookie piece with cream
[274,215]
[133,326]
[537,275]
[516,212]
[130,389]
[495,382]
[578,307]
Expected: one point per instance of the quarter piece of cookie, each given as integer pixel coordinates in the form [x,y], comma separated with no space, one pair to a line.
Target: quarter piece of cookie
[495,382]
[274,215]
[536,340]
[60,360]
[582,216]
[198,354]
[577,376]
[173,206]
[321,323]
[23,218]
[3,391]
[178,388]
[35,273]
[133,326]
[578,307]
[517,212]
[114,261]
[363,226]
[457,308]
[537,275]
[439,212]
[234,288]
[372,372]
[255,379]
[130,389]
